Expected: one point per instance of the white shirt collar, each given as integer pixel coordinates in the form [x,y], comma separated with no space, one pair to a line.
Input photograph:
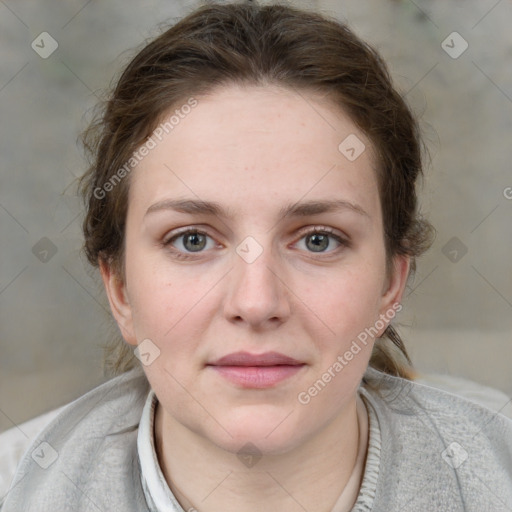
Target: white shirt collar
[156,491]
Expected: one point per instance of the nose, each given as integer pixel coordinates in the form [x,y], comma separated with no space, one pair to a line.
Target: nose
[258,295]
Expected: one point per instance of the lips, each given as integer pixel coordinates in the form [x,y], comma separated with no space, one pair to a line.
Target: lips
[247,359]
[256,371]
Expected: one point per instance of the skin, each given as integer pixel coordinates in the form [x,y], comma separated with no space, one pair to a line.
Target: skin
[255,150]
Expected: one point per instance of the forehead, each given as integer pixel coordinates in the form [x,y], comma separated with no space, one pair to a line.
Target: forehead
[257,144]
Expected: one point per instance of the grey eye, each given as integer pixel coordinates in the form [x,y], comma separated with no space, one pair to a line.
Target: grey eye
[189,241]
[318,242]
[194,241]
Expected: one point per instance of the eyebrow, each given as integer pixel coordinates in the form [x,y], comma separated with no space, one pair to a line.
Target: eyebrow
[299,209]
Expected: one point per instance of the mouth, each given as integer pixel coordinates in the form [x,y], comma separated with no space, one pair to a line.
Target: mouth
[256,370]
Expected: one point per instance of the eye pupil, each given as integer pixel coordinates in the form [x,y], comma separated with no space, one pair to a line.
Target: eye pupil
[319,241]
[198,241]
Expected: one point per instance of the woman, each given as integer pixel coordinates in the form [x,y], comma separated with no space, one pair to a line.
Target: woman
[251,207]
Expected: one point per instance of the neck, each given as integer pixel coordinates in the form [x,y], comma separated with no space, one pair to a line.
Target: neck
[207,478]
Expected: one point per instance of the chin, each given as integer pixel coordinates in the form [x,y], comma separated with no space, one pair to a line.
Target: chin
[267,436]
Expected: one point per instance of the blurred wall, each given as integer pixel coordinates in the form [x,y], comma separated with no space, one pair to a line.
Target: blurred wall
[450,59]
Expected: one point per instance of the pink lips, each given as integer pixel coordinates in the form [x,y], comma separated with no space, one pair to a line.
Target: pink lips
[256,370]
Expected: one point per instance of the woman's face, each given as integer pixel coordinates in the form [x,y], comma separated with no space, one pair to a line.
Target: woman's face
[258,171]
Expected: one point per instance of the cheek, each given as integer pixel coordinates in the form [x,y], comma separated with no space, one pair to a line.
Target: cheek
[167,306]
[347,302]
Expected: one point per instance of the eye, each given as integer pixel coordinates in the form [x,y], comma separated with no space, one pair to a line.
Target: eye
[320,238]
[188,241]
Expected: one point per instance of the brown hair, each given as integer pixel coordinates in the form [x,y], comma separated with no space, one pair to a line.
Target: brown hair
[244,43]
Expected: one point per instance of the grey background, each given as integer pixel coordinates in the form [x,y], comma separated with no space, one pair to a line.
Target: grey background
[53,314]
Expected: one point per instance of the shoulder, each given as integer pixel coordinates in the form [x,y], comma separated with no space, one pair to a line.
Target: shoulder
[86,452]
[435,443]
[402,397]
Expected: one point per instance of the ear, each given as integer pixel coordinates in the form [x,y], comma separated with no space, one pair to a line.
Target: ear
[394,288]
[118,299]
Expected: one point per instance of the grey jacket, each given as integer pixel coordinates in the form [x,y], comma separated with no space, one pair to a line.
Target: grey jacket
[428,451]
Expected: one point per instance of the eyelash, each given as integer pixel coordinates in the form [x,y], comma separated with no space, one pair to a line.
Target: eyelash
[322,230]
